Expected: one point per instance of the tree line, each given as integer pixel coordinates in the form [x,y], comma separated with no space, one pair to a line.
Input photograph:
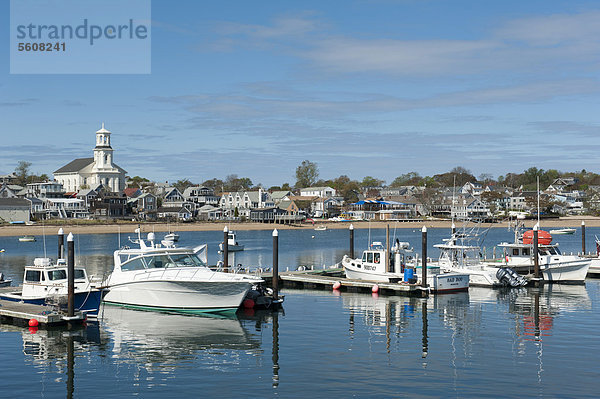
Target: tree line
[307,175]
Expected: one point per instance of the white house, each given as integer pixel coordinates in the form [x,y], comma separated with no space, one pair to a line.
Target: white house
[91,172]
[323,192]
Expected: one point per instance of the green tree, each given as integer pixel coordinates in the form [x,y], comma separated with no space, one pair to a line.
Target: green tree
[407,179]
[22,172]
[307,174]
[370,181]
[182,184]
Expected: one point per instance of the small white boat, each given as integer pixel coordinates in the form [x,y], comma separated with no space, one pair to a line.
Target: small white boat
[172,236]
[4,282]
[27,239]
[554,266]
[232,244]
[164,277]
[566,230]
[321,228]
[46,282]
[372,267]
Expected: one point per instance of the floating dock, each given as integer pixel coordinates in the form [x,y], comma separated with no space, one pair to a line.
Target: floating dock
[46,316]
[326,279]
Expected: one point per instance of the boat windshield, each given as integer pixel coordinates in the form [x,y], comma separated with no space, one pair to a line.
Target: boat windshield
[58,274]
[174,260]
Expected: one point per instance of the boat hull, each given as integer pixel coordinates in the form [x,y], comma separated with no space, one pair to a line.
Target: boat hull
[438,283]
[88,302]
[179,296]
[567,272]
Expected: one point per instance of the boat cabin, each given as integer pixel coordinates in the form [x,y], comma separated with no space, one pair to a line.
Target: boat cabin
[45,277]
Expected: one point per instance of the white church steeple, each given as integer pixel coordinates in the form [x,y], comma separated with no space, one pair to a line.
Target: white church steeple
[103,153]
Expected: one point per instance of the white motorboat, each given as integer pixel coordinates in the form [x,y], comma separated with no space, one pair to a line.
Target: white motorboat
[172,236]
[27,239]
[554,266]
[321,228]
[46,282]
[372,267]
[566,230]
[232,244]
[164,277]
[467,259]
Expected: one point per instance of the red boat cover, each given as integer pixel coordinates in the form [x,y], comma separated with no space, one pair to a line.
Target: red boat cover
[544,238]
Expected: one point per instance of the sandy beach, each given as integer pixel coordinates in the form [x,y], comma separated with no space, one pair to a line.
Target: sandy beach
[75,228]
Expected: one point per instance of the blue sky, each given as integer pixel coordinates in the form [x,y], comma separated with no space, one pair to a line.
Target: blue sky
[360,87]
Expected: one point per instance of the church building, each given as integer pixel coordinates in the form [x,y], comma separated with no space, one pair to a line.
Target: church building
[92,172]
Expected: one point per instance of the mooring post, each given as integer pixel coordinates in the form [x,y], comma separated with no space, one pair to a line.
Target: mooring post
[424,256]
[226,250]
[583,237]
[70,275]
[61,244]
[388,264]
[536,258]
[351,241]
[275,264]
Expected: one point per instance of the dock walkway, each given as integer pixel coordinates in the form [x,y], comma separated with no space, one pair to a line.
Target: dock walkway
[321,279]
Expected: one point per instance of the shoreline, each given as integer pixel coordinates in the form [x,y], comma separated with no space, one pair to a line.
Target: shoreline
[114,228]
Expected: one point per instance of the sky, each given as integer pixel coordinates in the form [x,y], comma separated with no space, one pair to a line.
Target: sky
[362,88]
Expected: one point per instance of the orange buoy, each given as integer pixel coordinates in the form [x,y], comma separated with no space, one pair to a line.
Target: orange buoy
[544,238]
[375,289]
[248,304]
[337,285]
[33,323]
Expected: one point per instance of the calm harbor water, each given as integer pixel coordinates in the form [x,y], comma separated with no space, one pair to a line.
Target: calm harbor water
[484,343]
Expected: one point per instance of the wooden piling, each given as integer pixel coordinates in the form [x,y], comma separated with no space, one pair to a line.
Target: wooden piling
[536,258]
[61,244]
[70,276]
[388,264]
[582,237]
[226,250]
[351,241]
[424,256]
[275,264]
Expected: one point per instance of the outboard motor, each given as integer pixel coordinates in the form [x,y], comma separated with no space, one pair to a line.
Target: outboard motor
[510,278]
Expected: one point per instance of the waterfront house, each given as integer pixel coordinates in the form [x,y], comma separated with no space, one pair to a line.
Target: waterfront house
[201,195]
[15,210]
[322,192]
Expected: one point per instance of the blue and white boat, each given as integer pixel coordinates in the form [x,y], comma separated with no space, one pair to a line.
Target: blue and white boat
[46,283]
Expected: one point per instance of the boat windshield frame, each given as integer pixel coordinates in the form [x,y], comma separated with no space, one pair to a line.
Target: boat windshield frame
[161,260]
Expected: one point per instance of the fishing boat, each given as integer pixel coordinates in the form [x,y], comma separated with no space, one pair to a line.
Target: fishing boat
[232,244]
[554,266]
[27,239]
[460,258]
[404,269]
[46,282]
[164,277]
[566,230]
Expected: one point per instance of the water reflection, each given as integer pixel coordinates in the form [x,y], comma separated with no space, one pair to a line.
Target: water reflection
[165,340]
